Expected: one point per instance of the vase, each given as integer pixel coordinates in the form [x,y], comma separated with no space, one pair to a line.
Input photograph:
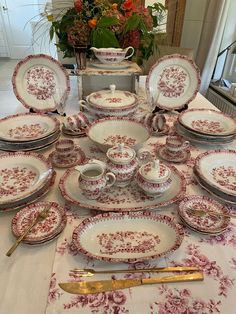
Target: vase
[80,57]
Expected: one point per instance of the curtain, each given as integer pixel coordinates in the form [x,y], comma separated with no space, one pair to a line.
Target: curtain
[210,40]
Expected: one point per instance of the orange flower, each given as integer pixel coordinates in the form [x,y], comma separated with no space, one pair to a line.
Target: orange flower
[92,23]
[114,6]
[128,5]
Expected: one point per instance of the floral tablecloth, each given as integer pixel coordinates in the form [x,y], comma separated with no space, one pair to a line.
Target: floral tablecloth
[215,255]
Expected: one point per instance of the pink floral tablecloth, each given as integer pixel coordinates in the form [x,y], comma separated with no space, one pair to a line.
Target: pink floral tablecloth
[215,255]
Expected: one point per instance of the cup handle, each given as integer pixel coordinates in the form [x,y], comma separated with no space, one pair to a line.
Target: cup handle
[111,179]
[130,55]
[82,104]
[186,144]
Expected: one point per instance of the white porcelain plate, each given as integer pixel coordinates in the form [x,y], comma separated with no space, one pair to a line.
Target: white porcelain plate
[27,127]
[218,168]
[44,229]
[208,122]
[130,198]
[206,223]
[22,174]
[127,237]
[40,82]
[173,82]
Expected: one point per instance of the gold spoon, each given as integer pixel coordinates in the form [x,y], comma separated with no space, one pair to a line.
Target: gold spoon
[201,212]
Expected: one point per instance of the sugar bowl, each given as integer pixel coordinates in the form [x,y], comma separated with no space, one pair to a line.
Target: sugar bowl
[121,160]
[154,178]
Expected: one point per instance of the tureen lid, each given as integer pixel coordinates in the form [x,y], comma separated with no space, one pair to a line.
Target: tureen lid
[112,99]
[155,171]
[121,154]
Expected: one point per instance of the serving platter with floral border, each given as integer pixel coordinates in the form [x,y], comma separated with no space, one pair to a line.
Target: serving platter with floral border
[130,198]
[21,175]
[208,122]
[206,223]
[45,229]
[128,237]
[218,169]
[173,82]
[25,127]
[40,82]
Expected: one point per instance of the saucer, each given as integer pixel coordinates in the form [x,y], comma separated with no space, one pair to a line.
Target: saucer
[179,157]
[76,158]
[73,133]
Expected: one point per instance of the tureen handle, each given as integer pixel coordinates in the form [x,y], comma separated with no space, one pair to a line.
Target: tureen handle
[132,52]
[112,88]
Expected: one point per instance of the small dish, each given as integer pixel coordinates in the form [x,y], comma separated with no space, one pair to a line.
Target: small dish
[179,157]
[76,158]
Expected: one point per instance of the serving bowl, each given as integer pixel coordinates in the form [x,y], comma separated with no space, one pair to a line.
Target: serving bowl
[107,132]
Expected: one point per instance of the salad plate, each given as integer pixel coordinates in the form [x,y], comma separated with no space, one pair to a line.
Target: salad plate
[26,127]
[206,223]
[44,230]
[127,237]
[21,175]
[40,82]
[218,169]
[173,82]
[119,199]
[208,122]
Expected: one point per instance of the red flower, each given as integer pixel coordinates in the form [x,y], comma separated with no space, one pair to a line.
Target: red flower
[128,5]
[78,5]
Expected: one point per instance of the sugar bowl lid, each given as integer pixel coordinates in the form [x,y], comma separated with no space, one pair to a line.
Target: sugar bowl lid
[155,171]
[121,154]
[112,99]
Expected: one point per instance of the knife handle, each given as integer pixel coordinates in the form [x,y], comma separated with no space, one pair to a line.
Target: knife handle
[197,276]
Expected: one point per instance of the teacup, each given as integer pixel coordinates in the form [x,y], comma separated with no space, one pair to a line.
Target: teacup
[77,122]
[176,144]
[65,148]
[93,179]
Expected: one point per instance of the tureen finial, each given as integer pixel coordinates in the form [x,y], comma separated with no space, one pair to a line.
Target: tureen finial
[112,88]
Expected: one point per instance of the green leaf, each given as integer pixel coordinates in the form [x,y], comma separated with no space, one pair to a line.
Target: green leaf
[104,38]
[106,21]
[132,23]
[51,32]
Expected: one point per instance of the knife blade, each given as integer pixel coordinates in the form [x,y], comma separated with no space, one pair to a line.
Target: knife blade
[89,287]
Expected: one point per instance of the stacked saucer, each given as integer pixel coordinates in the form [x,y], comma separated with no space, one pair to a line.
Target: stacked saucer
[28,131]
[45,230]
[215,171]
[25,177]
[206,126]
[206,223]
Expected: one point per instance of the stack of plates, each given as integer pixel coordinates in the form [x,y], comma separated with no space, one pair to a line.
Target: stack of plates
[215,171]
[25,177]
[206,126]
[206,224]
[46,229]
[28,131]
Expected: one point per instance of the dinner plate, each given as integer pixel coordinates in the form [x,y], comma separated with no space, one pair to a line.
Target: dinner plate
[114,66]
[40,82]
[210,122]
[218,169]
[127,237]
[27,127]
[173,82]
[45,229]
[22,174]
[206,223]
[130,198]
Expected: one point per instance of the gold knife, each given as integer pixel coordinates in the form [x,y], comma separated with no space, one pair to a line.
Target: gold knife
[88,287]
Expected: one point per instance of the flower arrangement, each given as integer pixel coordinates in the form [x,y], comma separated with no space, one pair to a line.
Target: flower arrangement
[106,23]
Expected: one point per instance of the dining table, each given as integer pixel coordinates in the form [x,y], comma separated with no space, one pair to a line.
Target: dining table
[30,277]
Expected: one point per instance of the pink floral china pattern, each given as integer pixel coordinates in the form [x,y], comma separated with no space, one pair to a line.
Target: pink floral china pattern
[207,126]
[119,139]
[77,157]
[173,82]
[218,168]
[44,229]
[130,198]
[206,223]
[40,82]
[179,157]
[121,242]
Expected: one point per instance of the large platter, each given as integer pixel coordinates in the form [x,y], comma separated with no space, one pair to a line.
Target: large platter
[22,174]
[26,127]
[210,122]
[218,169]
[119,199]
[205,223]
[127,237]
[173,82]
[40,82]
